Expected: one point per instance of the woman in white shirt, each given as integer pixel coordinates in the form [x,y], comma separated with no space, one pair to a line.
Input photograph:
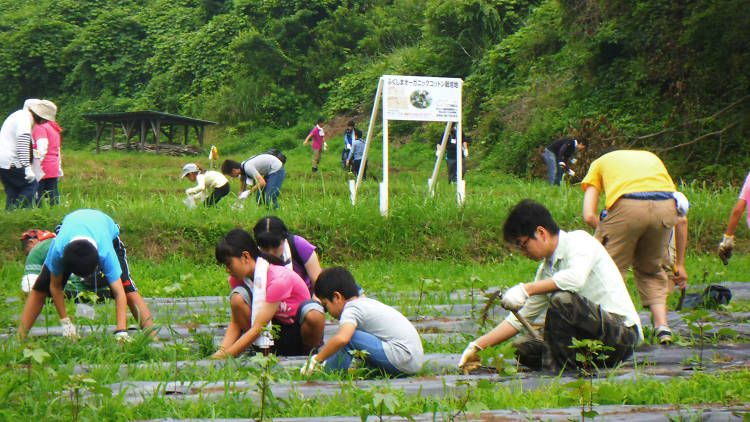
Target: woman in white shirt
[206,180]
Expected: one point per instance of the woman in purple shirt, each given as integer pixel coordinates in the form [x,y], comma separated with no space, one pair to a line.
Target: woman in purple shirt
[273,238]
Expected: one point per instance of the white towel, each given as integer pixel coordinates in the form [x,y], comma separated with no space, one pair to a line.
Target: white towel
[258,287]
[286,255]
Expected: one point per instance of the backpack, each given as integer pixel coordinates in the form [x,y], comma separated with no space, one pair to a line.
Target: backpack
[713,296]
[278,154]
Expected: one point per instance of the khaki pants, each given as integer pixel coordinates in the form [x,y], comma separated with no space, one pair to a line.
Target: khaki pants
[316,157]
[636,233]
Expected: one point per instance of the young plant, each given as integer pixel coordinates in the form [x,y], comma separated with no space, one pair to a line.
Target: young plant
[588,352]
[466,404]
[75,384]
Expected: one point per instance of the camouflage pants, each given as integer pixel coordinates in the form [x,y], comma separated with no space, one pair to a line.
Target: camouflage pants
[570,315]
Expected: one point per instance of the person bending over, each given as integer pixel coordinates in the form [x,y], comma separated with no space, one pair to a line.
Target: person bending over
[287,301]
[87,241]
[577,284]
[390,340]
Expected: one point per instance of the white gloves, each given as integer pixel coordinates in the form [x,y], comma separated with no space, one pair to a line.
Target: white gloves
[325,146]
[29,174]
[571,173]
[68,329]
[309,367]
[122,336]
[243,195]
[725,248]
[514,298]
[469,358]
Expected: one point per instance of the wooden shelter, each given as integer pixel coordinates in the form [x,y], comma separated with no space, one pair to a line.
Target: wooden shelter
[143,122]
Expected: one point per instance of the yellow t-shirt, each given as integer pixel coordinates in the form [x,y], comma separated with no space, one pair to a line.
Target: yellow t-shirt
[627,171]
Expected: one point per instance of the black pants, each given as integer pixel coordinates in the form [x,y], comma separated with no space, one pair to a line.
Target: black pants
[217,194]
[355,168]
[453,170]
[47,189]
[18,192]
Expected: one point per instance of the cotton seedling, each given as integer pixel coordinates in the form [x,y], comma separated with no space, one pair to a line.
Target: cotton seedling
[588,352]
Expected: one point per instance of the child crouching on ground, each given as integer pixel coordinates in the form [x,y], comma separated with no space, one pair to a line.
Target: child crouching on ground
[390,340]
[206,180]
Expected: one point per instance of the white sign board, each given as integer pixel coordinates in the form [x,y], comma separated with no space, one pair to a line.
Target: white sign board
[421,98]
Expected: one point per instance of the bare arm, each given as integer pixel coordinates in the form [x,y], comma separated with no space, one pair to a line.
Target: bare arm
[590,204]
[735,215]
[121,304]
[56,291]
[339,340]
[307,139]
[265,313]
[312,266]
[680,244]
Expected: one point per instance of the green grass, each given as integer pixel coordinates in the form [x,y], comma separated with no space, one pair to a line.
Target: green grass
[427,244]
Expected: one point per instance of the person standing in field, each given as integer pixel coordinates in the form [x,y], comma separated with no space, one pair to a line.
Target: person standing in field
[577,287]
[47,157]
[451,157]
[318,136]
[348,141]
[556,157]
[356,153]
[266,173]
[642,209]
[743,203]
[87,241]
[213,180]
[16,173]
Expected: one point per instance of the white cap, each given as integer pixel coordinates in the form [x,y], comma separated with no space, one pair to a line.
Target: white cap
[189,168]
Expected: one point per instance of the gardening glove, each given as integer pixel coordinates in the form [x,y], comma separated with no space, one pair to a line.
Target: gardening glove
[325,146]
[469,358]
[122,336]
[68,329]
[514,298]
[29,174]
[309,366]
[571,173]
[725,248]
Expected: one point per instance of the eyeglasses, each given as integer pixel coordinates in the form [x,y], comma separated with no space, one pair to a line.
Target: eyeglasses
[522,245]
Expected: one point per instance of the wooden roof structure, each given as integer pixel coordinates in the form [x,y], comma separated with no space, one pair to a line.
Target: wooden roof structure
[145,122]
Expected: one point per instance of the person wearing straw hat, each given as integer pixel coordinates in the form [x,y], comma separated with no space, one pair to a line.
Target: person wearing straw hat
[16,173]
[46,155]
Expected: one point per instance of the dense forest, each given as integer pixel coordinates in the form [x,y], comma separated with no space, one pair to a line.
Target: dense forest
[672,76]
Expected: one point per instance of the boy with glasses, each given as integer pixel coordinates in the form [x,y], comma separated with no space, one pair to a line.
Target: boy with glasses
[577,285]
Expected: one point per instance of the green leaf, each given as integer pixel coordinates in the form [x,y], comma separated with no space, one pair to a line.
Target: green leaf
[476,407]
[590,414]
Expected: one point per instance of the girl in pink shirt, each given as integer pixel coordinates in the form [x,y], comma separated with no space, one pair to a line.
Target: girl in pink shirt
[288,304]
[47,150]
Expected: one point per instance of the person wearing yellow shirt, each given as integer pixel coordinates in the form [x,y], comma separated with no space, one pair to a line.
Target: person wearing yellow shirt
[642,209]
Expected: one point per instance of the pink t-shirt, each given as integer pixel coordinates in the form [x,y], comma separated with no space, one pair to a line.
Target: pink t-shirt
[745,194]
[317,137]
[51,162]
[288,288]
[284,286]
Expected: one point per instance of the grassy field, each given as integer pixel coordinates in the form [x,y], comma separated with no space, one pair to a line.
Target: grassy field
[427,243]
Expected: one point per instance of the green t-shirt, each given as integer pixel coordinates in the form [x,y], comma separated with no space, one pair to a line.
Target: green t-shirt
[36,257]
